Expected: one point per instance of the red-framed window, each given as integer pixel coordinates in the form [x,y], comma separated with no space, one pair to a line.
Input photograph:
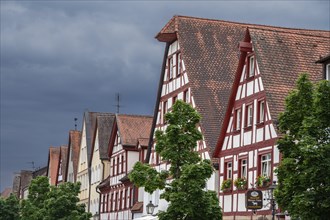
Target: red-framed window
[170,68]
[186,96]
[243,168]
[251,66]
[113,166]
[249,115]
[118,165]
[174,99]
[122,164]
[228,170]
[237,118]
[179,64]
[261,111]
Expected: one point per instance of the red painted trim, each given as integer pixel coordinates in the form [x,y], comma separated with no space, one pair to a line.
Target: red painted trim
[232,97]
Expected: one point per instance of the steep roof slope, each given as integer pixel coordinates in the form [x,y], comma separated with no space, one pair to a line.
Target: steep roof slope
[133,127]
[105,126]
[283,55]
[210,52]
[73,150]
[53,161]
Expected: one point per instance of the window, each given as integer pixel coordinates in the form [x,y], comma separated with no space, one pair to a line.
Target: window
[125,199]
[118,166]
[261,111]
[122,164]
[174,99]
[327,72]
[170,71]
[237,120]
[111,202]
[266,164]
[179,64]
[186,96]
[243,168]
[113,166]
[164,110]
[229,170]
[249,115]
[251,66]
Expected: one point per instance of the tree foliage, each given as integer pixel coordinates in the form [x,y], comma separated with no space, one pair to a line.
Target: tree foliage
[184,183]
[9,208]
[304,180]
[47,202]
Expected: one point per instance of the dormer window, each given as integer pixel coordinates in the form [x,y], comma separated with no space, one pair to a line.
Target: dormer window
[251,66]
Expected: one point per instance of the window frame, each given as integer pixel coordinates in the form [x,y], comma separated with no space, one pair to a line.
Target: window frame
[268,162]
[170,68]
[240,169]
[248,117]
[237,119]
[228,169]
[261,111]
[251,74]
[327,71]
[178,64]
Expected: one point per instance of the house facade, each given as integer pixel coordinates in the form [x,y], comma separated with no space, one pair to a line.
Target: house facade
[247,150]
[99,157]
[118,194]
[73,156]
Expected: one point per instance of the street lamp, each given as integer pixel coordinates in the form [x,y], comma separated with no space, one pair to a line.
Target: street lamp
[272,199]
[150,208]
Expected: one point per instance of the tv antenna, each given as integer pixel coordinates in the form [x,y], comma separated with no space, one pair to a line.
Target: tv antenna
[118,102]
[75,123]
[32,162]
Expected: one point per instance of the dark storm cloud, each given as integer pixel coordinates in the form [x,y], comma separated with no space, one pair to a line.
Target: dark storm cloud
[59,58]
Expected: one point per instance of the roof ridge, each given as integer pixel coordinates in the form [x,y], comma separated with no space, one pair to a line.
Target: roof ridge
[135,115]
[296,33]
[243,23]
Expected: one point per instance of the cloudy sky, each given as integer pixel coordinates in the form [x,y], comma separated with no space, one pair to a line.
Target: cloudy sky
[59,58]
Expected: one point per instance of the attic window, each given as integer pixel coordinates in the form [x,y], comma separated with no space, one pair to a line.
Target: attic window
[170,66]
[251,66]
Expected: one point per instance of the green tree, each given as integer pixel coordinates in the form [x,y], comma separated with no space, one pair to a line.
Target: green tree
[9,208]
[184,183]
[47,202]
[304,180]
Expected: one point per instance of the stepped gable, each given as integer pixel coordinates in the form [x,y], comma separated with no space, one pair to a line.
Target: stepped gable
[210,51]
[133,127]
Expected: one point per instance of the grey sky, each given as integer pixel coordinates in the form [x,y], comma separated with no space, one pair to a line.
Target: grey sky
[59,58]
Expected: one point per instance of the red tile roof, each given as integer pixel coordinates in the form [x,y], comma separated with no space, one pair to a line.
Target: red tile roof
[209,49]
[74,148]
[53,161]
[133,127]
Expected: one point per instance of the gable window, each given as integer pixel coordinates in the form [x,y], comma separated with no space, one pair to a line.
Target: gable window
[261,111]
[164,110]
[243,168]
[113,166]
[186,96]
[179,64]
[251,66]
[170,66]
[249,115]
[174,99]
[237,120]
[229,170]
[265,164]
[327,72]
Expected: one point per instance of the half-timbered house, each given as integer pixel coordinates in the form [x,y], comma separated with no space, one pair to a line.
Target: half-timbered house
[126,147]
[270,62]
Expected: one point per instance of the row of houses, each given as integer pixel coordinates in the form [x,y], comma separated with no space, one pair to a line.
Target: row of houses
[236,76]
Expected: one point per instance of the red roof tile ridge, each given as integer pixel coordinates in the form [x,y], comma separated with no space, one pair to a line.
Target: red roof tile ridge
[289,31]
[250,25]
[135,115]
